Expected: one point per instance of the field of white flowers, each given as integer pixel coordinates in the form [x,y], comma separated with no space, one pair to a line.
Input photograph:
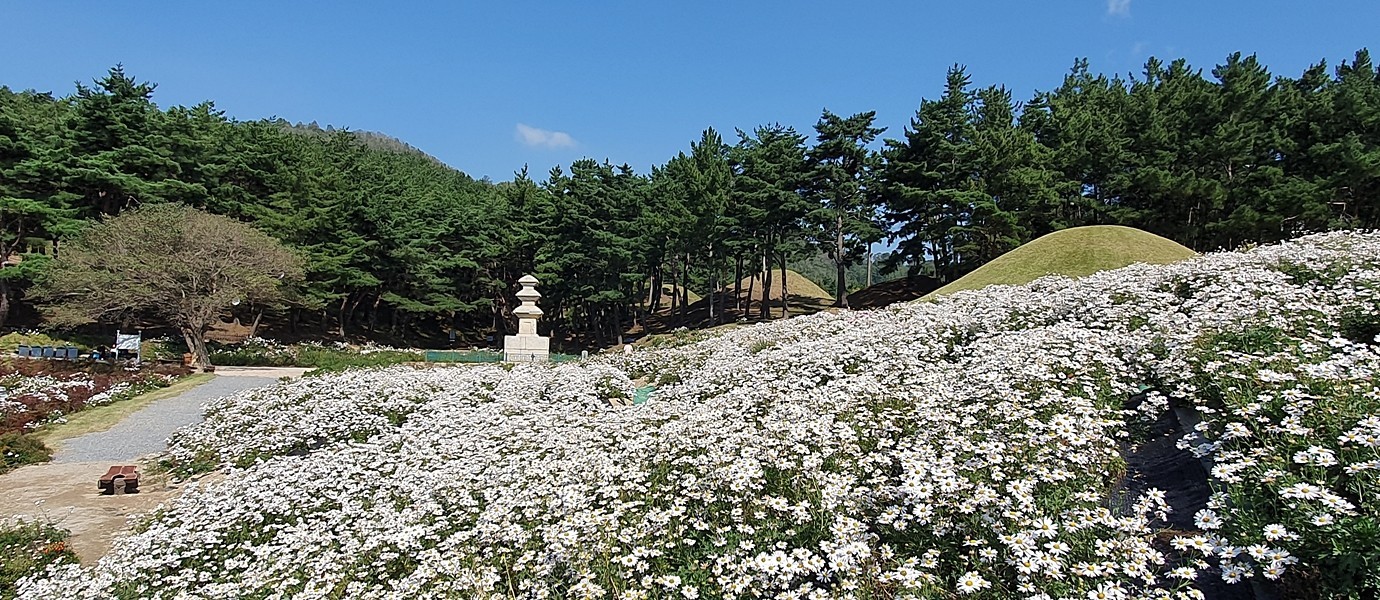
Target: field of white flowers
[969,447]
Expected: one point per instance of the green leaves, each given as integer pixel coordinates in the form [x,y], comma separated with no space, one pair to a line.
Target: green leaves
[169,263]
[389,235]
[843,184]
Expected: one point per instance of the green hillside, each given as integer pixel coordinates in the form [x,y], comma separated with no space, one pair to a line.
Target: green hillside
[1073,252]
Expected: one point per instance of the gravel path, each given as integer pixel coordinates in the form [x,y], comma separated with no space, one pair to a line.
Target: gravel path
[147,431]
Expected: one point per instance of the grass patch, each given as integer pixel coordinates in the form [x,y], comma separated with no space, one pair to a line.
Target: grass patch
[101,418]
[19,449]
[1074,252]
[10,342]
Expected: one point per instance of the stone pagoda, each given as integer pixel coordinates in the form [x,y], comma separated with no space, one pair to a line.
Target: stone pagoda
[527,346]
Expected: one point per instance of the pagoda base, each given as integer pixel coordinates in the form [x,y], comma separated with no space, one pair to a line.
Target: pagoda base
[526,348]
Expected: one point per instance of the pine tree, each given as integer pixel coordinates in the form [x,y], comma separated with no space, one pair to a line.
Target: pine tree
[31,207]
[771,177]
[931,181]
[842,184]
[120,155]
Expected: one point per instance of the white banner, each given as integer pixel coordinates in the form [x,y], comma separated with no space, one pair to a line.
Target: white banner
[127,341]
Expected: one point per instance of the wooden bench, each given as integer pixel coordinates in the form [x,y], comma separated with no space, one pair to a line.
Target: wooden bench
[120,480]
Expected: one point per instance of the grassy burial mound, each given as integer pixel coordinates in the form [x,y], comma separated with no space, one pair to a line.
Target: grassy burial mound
[1072,252]
[982,445]
[668,290]
[806,297]
[891,292]
[803,296]
[800,288]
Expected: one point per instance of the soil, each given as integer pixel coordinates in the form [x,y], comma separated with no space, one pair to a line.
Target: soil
[1158,463]
[66,495]
[274,372]
[890,292]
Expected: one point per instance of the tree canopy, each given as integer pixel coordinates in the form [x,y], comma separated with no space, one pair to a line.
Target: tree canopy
[395,242]
[167,263]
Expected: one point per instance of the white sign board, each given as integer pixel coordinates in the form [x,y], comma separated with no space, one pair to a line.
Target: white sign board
[127,341]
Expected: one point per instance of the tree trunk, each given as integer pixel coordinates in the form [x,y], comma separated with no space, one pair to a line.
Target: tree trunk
[344,302]
[723,296]
[869,264]
[642,293]
[675,296]
[746,310]
[738,285]
[196,344]
[840,289]
[374,312]
[684,289]
[785,294]
[766,285]
[713,288]
[350,312]
[258,317]
[655,303]
[592,326]
[4,302]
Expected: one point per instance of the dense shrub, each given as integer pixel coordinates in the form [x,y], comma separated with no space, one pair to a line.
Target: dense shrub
[266,353]
[27,548]
[18,449]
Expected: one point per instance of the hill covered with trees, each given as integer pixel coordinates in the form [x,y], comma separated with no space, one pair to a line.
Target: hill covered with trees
[395,241]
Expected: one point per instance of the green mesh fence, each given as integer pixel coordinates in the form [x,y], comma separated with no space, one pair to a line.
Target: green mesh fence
[486,356]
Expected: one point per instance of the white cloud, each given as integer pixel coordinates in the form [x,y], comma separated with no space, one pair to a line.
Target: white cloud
[538,137]
[1119,8]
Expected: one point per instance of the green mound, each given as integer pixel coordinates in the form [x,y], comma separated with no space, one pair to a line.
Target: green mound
[1072,252]
[797,285]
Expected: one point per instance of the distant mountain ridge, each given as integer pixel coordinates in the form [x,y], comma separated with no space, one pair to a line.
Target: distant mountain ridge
[370,139]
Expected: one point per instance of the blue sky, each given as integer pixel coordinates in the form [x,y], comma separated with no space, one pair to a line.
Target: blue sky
[490,87]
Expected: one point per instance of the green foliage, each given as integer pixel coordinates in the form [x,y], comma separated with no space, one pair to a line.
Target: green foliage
[19,449]
[169,262]
[394,241]
[27,548]
[843,183]
[308,355]
[10,342]
[1342,554]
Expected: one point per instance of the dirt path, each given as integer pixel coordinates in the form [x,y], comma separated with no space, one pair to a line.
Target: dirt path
[270,372]
[64,491]
[65,494]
